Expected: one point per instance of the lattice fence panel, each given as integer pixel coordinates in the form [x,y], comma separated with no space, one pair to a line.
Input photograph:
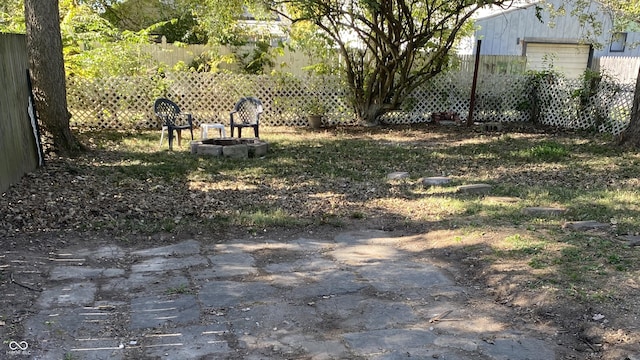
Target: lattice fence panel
[502,99]
[210,97]
[606,109]
[557,106]
[127,102]
[439,94]
[290,97]
[498,98]
[617,103]
[116,103]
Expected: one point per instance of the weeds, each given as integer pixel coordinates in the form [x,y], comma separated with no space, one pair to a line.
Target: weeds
[69,356]
[179,290]
[546,151]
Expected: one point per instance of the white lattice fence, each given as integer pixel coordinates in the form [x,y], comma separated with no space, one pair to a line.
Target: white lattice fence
[126,102]
[498,98]
[502,99]
[116,103]
[289,98]
[617,102]
[607,109]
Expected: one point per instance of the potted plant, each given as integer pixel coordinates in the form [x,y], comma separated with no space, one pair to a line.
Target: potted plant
[315,109]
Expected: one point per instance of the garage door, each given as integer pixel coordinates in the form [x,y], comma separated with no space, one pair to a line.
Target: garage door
[570,59]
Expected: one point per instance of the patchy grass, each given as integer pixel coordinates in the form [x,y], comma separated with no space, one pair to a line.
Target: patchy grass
[337,178]
[546,151]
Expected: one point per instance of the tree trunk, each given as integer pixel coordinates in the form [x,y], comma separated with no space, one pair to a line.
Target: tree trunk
[44,46]
[367,113]
[631,135]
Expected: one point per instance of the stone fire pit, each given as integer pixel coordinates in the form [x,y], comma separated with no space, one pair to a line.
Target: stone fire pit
[230,147]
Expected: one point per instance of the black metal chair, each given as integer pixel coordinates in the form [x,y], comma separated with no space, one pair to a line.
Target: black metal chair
[172,119]
[246,113]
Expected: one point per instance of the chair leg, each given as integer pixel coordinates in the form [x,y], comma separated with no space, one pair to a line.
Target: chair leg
[179,131]
[255,132]
[170,139]
[232,129]
[162,134]
[239,132]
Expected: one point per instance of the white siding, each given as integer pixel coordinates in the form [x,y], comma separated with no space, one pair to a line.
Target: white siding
[502,33]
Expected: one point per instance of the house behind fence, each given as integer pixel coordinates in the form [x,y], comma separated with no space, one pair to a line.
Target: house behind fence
[18,151]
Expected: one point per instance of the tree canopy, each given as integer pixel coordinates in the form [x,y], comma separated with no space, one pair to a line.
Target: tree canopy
[12,16]
[388,47]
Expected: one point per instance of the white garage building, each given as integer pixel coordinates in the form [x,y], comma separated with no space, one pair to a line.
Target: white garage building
[561,41]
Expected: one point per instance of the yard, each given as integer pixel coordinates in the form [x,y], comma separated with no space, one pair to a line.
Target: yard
[584,283]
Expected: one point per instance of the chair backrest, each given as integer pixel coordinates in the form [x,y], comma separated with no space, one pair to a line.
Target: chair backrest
[166,110]
[248,110]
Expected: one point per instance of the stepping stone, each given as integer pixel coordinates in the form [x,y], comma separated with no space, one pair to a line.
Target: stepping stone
[150,282]
[436,181]
[502,199]
[191,342]
[398,175]
[584,225]
[226,265]
[542,211]
[161,264]
[222,294]
[84,273]
[633,240]
[156,311]
[365,343]
[474,189]
[189,247]
[78,294]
